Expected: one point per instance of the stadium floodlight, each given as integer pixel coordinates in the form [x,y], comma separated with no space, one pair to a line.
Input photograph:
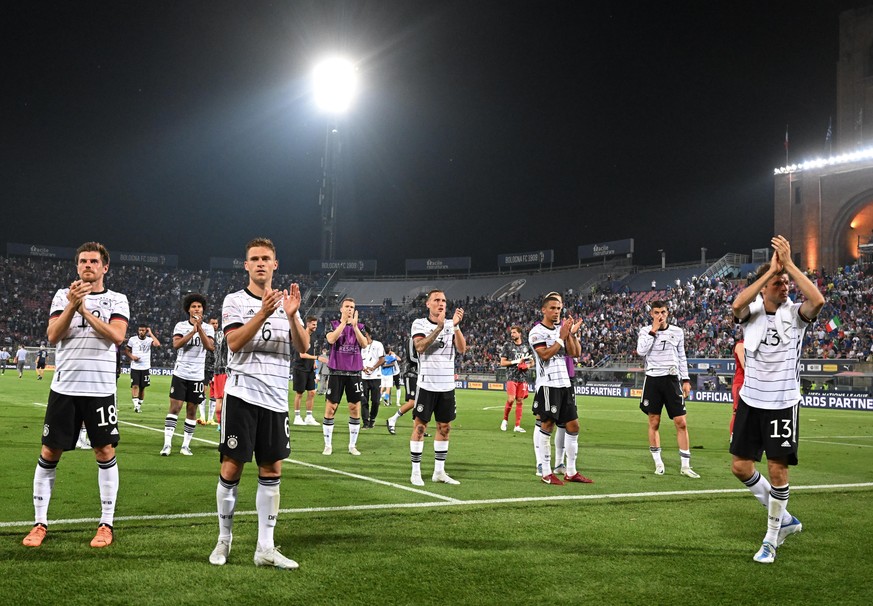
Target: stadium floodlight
[855,156]
[335,81]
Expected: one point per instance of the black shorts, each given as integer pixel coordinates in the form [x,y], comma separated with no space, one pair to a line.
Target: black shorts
[440,404]
[352,386]
[397,382]
[139,378]
[659,392]
[760,430]
[40,363]
[65,414]
[555,403]
[186,391]
[304,380]
[409,384]
[247,429]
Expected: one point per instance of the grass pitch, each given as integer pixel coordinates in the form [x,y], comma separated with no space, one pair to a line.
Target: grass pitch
[364,535]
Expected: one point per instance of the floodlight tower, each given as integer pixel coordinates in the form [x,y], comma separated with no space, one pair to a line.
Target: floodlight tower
[334,87]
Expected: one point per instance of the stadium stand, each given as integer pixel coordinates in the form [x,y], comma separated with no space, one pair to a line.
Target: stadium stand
[613,309]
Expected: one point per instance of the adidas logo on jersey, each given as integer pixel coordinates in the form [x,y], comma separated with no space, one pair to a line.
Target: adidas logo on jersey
[786,444]
[114,432]
[250,312]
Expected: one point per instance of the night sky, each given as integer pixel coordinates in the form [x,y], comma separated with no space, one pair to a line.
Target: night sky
[480,128]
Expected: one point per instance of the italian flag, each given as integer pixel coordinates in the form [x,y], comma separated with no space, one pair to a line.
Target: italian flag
[833,324]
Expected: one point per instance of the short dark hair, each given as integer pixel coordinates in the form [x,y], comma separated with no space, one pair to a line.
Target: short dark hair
[93,247]
[763,269]
[346,299]
[142,325]
[263,243]
[551,297]
[193,297]
[310,319]
[658,303]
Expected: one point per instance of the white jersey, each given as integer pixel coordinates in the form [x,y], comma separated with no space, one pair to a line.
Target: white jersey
[772,373]
[258,372]
[436,364]
[85,361]
[142,348]
[370,355]
[551,372]
[191,357]
[664,353]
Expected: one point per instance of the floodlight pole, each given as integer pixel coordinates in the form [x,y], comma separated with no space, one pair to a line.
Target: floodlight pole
[327,196]
[334,89]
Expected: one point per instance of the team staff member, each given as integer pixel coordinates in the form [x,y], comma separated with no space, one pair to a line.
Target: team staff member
[303,376]
[20,358]
[41,356]
[372,357]
[410,382]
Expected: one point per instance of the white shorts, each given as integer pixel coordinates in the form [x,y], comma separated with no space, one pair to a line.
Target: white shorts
[387,381]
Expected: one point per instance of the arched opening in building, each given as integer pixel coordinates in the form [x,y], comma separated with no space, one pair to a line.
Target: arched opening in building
[856,230]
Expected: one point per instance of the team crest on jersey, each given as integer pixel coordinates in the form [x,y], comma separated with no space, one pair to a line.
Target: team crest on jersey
[419,408]
[232,442]
[554,409]
[45,430]
[645,403]
[536,405]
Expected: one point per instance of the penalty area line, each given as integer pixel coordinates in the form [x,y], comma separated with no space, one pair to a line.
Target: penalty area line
[431,504]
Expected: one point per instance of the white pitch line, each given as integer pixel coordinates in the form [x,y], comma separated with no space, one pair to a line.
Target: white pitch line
[311,465]
[870,437]
[454,503]
[374,480]
[839,443]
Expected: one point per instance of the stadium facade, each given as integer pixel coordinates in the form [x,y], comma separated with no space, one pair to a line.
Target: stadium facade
[825,206]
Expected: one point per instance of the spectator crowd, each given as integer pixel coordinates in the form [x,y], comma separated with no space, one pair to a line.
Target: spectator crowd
[608,334]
